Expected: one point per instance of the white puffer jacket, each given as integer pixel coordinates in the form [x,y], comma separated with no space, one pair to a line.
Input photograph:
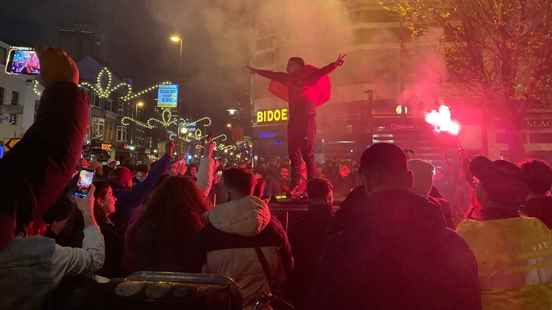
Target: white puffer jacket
[236,228]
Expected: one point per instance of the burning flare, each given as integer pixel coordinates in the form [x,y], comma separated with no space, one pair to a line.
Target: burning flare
[442,121]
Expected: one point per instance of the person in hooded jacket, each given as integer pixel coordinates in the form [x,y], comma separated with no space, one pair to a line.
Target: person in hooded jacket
[396,251]
[237,229]
[538,176]
[130,196]
[512,251]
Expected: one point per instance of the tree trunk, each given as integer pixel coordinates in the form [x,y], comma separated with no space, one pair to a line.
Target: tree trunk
[516,139]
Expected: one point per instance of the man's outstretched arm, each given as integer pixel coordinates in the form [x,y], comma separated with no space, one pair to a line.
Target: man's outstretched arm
[315,76]
[276,76]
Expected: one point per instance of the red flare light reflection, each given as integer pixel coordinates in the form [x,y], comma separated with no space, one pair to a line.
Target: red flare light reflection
[442,121]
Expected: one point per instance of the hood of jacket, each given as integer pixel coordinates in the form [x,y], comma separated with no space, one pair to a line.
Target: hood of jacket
[246,217]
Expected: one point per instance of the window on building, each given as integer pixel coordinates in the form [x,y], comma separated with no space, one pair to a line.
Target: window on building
[13,119]
[3,55]
[15,98]
[1,95]
[122,134]
[98,127]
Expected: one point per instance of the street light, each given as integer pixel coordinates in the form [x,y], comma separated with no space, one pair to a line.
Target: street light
[139,104]
[175,38]
[229,125]
[232,111]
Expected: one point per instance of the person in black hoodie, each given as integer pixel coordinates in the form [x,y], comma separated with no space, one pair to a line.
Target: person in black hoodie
[308,237]
[538,176]
[396,252]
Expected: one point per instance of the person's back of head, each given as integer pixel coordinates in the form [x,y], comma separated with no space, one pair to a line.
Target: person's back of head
[121,177]
[422,173]
[238,182]
[501,184]
[320,192]
[383,166]
[172,217]
[538,176]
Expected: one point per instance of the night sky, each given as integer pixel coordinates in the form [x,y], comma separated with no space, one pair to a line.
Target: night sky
[136,46]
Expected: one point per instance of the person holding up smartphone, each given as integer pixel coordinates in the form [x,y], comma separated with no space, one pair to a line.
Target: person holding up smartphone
[32,267]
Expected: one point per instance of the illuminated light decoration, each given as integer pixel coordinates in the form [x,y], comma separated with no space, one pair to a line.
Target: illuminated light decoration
[103,87]
[442,121]
[126,121]
[168,120]
[36,88]
[144,91]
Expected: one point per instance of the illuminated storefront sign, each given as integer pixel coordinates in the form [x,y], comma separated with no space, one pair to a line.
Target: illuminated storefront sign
[106,147]
[271,116]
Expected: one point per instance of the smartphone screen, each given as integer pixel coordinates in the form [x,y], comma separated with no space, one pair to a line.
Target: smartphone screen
[23,61]
[83,184]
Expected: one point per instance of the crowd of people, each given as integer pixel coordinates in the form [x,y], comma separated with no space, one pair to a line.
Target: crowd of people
[391,244]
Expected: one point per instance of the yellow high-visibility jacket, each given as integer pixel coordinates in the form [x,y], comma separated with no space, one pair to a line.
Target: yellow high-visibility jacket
[514,257]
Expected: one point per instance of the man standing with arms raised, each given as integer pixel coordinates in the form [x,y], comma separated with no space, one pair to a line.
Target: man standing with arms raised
[304,94]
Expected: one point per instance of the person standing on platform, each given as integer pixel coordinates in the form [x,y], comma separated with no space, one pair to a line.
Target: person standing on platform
[304,87]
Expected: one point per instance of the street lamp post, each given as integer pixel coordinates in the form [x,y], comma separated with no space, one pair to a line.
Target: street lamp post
[177,39]
[139,104]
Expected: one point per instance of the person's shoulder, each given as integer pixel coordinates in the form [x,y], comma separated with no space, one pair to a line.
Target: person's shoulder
[33,248]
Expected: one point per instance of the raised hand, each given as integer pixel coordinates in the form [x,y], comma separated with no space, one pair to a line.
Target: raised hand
[57,66]
[340,60]
[86,206]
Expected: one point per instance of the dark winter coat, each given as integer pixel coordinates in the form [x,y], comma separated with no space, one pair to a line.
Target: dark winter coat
[396,253]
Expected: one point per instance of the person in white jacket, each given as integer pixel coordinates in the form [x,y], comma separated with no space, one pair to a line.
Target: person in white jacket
[33,267]
[237,230]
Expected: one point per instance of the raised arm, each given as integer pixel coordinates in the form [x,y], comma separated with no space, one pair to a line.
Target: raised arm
[88,259]
[47,155]
[206,170]
[276,76]
[315,76]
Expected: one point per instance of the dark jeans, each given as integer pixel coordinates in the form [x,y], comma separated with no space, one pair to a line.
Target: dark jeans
[301,148]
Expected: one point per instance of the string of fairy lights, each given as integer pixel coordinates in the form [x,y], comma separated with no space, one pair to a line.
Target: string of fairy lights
[104,88]
[186,130]
[192,132]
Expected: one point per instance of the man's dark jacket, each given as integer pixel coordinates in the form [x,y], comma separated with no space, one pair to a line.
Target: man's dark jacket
[396,253]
